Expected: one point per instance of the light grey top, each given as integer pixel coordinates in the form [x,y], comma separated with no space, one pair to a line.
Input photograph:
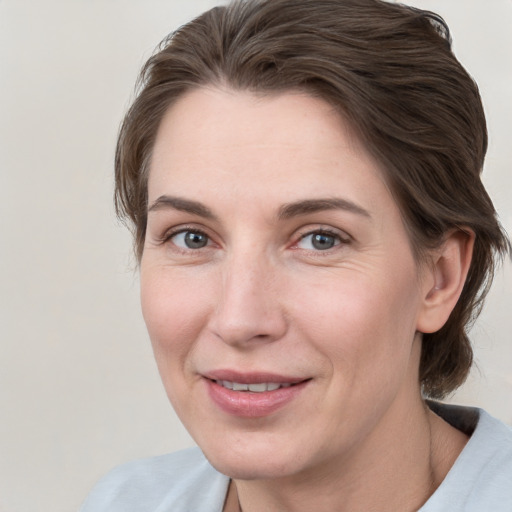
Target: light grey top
[479,481]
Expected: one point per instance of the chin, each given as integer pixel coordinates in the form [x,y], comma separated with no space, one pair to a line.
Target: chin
[252,468]
[252,461]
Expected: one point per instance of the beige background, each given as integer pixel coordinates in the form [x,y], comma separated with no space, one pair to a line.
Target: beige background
[79,391]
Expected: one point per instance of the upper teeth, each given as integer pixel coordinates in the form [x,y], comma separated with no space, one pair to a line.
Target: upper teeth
[255,388]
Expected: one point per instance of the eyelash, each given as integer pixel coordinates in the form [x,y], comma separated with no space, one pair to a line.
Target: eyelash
[341,240]
[168,235]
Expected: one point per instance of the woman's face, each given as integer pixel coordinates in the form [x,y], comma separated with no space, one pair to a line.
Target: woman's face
[276,257]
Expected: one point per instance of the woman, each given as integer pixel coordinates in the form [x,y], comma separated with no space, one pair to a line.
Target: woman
[303,181]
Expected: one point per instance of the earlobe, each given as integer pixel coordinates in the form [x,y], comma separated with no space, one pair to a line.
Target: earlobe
[445,280]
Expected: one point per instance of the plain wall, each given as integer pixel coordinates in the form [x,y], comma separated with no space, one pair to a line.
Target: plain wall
[79,391]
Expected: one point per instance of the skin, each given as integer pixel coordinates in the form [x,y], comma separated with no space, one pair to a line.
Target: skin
[261,297]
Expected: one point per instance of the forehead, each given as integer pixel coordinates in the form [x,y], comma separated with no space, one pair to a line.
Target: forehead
[289,143]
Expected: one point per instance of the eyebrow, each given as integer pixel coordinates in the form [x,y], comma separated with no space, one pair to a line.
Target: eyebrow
[308,206]
[287,211]
[183,205]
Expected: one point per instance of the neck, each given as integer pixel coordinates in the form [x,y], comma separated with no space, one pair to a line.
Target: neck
[397,469]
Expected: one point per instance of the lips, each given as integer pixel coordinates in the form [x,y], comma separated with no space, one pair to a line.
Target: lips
[252,395]
[253,387]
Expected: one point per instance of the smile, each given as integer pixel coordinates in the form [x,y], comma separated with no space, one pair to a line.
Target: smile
[256,397]
[253,388]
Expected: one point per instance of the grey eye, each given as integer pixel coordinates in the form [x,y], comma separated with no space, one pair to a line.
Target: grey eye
[322,241]
[190,240]
[318,241]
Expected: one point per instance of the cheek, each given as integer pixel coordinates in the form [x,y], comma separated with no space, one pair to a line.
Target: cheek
[174,313]
[362,322]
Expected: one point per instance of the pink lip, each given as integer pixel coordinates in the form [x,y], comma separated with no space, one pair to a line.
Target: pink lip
[247,404]
[252,377]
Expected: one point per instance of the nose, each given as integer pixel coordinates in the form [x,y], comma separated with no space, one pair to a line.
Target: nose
[250,307]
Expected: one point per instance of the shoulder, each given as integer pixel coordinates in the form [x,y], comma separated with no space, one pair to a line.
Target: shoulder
[184,480]
[491,453]
[481,478]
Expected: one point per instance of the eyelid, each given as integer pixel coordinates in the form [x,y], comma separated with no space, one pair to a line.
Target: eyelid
[168,234]
[327,230]
[343,238]
[341,235]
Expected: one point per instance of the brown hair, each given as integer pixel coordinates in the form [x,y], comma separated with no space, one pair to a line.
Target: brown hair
[390,72]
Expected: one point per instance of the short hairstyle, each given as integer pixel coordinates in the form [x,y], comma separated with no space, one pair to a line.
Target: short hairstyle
[388,69]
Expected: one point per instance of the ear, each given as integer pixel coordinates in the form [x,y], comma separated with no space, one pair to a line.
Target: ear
[444,278]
